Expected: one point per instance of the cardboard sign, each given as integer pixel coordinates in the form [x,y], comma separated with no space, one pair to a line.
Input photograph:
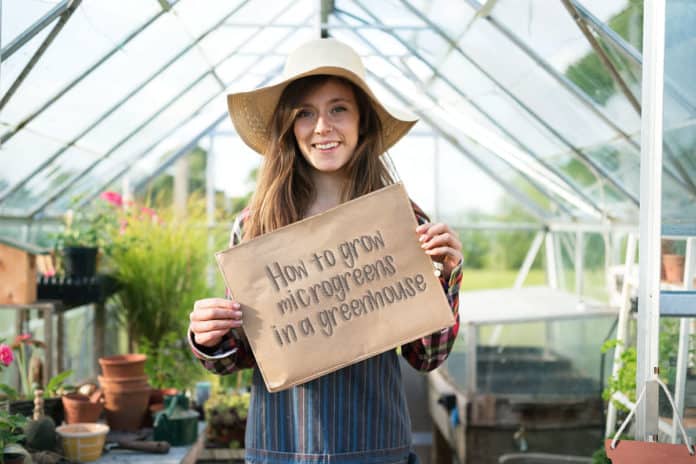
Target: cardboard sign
[336,288]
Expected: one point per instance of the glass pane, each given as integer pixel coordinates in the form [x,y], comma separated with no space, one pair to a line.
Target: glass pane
[11,67]
[20,155]
[680,68]
[549,30]
[624,17]
[94,29]
[18,16]
[146,145]
[160,92]
[49,179]
[55,177]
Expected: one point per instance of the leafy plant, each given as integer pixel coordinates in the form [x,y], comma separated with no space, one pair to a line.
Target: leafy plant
[600,456]
[160,263]
[56,383]
[170,363]
[20,345]
[625,380]
[226,413]
[11,430]
[89,226]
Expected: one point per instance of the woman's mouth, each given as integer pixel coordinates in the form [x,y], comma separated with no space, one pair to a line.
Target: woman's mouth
[325,146]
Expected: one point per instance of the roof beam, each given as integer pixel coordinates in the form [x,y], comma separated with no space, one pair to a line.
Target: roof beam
[628,51]
[596,168]
[602,56]
[682,177]
[488,117]
[130,164]
[64,17]
[34,29]
[516,194]
[47,161]
[27,119]
[192,84]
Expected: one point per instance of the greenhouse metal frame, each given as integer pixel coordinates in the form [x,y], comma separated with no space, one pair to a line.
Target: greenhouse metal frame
[77,117]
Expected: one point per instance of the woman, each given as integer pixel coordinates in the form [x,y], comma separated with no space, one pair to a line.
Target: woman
[322,131]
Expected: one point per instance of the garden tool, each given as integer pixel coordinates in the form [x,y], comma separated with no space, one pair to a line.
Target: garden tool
[144,446]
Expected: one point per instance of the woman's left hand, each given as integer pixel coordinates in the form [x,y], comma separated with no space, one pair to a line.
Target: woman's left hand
[442,244]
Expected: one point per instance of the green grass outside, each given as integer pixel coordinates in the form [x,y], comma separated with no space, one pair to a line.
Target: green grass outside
[477,279]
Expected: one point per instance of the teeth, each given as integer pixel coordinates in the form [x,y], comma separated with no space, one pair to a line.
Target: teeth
[326,146]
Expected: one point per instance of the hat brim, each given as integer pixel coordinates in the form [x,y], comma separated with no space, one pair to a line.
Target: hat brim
[252,112]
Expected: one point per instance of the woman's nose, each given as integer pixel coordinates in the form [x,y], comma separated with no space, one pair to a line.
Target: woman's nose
[323,126]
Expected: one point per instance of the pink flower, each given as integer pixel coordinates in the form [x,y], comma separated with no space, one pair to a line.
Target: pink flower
[25,339]
[112,197]
[6,356]
[150,212]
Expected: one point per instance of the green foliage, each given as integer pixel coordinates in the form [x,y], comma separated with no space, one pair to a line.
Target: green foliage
[223,399]
[589,73]
[497,278]
[11,429]
[55,384]
[592,77]
[170,363]
[160,264]
[600,456]
[625,380]
[89,226]
[476,246]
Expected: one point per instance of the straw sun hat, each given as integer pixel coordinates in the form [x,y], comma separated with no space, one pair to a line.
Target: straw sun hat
[252,111]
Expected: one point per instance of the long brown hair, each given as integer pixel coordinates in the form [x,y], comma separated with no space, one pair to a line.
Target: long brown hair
[284,189]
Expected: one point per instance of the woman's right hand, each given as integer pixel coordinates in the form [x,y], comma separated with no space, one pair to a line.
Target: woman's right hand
[212,318]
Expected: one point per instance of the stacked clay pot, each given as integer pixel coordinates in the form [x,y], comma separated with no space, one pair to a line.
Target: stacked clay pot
[82,408]
[126,391]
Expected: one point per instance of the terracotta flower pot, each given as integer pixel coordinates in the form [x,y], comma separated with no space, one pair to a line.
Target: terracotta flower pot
[79,408]
[158,394]
[118,384]
[125,410]
[123,365]
[674,268]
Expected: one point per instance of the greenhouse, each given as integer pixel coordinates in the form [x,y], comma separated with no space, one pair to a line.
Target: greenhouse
[555,138]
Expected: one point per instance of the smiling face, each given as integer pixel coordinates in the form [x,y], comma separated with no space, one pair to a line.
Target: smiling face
[327,125]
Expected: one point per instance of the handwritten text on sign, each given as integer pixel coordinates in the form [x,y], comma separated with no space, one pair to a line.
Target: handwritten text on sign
[335,289]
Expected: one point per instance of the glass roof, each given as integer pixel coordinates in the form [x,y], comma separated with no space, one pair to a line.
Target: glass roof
[517,103]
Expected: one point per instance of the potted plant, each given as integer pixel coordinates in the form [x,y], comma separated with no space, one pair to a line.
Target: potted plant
[85,232]
[11,425]
[170,367]
[24,351]
[672,261]
[226,414]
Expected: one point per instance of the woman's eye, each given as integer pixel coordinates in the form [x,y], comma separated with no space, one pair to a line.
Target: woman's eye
[304,114]
[339,109]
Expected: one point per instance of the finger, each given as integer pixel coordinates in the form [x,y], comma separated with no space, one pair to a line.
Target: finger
[434,230]
[201,327]
[446,239]
[215,303]
[422,228]
[209,338]
[214,313]
[444,251]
